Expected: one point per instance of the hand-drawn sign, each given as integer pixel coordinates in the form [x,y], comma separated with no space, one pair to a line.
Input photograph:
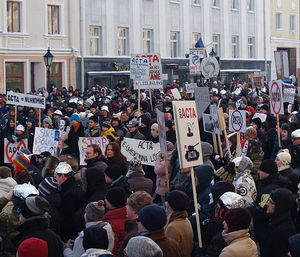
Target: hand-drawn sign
[210,67]
[10,149]
[276,100]
[237,121]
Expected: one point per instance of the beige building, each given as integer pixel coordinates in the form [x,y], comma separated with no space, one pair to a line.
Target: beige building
[27,29]
[285,34]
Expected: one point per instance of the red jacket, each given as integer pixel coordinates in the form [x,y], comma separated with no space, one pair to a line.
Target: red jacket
[117,218]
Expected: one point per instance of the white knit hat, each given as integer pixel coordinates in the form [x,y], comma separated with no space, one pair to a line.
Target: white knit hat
[284,156]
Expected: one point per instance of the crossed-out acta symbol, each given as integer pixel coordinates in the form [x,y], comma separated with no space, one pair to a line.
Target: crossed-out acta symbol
[237,120]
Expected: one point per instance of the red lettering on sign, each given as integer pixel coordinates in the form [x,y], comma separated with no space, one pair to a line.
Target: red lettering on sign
[186,113]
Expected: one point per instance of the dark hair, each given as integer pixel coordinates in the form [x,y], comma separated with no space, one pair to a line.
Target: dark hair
[116,149]
[95,237]
[5,172]
[96,148]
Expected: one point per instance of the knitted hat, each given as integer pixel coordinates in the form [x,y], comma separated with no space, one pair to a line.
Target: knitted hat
[178,200]
[75,116]
[251,133]
[95,237]
[34,206]
[117,197]
[58,112]
[143,246]
[21,162]
[94,211]
[104,108]
[269,166]
[170,146]
[294,245]
[145,120]
[283,199]
[48,120]
[94,118]
[245,163]
[48,186]
[207,149]
[284,156]
[237,219]
[153,217]
[135,166]
[113,171]
[231,200]
[20,127]
[154,126]
[106,124]
[205,175]
[296,133]
[33,247]
[220,188]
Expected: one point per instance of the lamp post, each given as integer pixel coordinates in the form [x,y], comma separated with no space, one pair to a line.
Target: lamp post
[212,53]
[48,58]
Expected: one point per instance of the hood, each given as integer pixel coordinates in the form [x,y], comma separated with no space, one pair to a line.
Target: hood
[6,184]
[96,252]
[205,174]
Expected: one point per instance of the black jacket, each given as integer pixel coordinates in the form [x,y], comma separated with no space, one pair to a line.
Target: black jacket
[72,141]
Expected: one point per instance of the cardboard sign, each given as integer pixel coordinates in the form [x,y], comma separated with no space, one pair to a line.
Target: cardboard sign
[190,88]
[84,142]
[148,84]
[47,140]
[282,64]
[162,132]
[210,67]
[222,119]
[145,151]
[25,100]
[261,116]
[195,60]
[276,98]
[257,81]
[289,93]
[187,133]
[10,149]
[176,94]
[215,119]
[139,67]
[208,124]
[237,121]
[202,99]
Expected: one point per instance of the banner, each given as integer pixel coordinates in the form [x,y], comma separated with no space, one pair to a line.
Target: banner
[202,99]
[139,67]
[83,143]
[162,132]
[148,84]
[48,140]
[145,151]
[25,100]
[10,149]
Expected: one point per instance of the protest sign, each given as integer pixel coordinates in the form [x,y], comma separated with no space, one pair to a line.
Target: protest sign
[148,84]
[257,81]
[289,92]
[139,67]
[176,94]
[145,151]
[276,98]
[27,100]
[162,132]
[190,87]
[202,99]
[10,149]
[207,123]
[48,140]
[261,116]
[215,119]
[84,142]
[194,60]
[210,67]
[237,121]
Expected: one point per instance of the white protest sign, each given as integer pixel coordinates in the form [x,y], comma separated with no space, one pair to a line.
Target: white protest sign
[48,140]
[257,81]
[208,123]
[145,151]
[162,132]
[261,116]
[289,92]
[210,67]
[190,87]
[215,119]
[276,98]
[202,99]
[148,84]
[187,133]
[139,67]
[25,100]
[194,60]
[237,121]
[84,142]
[176,94]
[10,149]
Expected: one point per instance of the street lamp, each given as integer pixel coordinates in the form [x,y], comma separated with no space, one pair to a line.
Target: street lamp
[212,53]
[48,57]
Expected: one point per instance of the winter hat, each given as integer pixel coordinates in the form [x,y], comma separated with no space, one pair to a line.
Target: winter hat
[20,127]
[34,206]
[6,185]
[231,200]
[205,175]
[33,247]
[284,156]
[245,163]
[48,186]
[117,197]
[135,166]
[63,168]
[153,217]
[257,122]
[178,200]
[251,133]
[286,126]
[58,112]
[75,116]
[143,246]
[113,171]
[106,124]
[95,237]
[220,188]
[283,199]
[145,120]
[94,118]
[22,162]
[207,149]
[296,134]
[294,245]
[154,126]
[170,146]
[237,219]
[94,211]
[48,120]
[269,166]
[133,123]
[104,108]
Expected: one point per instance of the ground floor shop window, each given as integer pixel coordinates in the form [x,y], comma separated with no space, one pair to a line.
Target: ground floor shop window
[14,76]
[56,75]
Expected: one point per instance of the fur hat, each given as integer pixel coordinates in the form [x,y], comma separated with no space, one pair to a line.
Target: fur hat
[237,219]
[33,247]
[94,211]
[117,197]
[143,246]
[284,156]
[135,166]
[153,217]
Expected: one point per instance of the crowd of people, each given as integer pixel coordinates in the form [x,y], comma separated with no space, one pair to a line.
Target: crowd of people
[249,202]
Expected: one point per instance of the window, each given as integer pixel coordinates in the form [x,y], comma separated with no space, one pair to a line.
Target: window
[292,22]
[278,20]
[216,44]
[123,41]
[13,16]
[174,43]
[147,41]
[56,75]
[235,46]
[216,3]
[196,2]
[53,19]
[195,38]
[251,5]
[175,1]
[235,4]
[14,72]
[251,47]
[95,40]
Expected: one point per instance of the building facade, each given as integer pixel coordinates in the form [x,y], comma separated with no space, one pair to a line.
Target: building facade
[285,35]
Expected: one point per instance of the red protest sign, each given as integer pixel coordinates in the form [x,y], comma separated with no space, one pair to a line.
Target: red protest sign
[10,149]
[276,99]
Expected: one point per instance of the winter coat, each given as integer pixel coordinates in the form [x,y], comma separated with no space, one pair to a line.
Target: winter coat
[121,182]
[239,245]
[38,227]
[135,135]
[6,184]
[72,200]
[169,246]
[179,228]
[110,134]
[146,132]
[94,132]
[97,252]
[72,141]
[288,173]
[116,218]
[120,161]
[245,186]
[138,182]
[161,180]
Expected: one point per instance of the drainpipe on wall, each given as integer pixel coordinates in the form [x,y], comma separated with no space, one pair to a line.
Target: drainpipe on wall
[82,41]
